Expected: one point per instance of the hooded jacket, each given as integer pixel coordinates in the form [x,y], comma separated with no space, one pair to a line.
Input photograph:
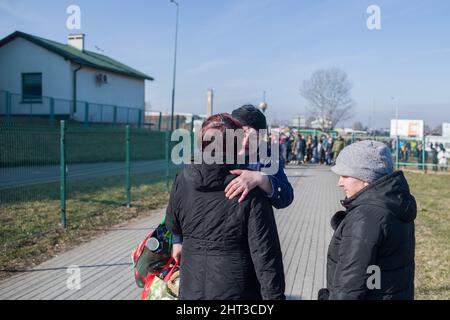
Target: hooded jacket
[375,231]
[231,250]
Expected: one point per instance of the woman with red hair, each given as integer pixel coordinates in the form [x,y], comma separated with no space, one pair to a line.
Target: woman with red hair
[231,250]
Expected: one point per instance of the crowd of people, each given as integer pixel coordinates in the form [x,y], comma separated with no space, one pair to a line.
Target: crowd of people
[296,148]
[411,151]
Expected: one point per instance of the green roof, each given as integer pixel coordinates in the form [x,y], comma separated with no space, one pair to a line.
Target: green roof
[85,58]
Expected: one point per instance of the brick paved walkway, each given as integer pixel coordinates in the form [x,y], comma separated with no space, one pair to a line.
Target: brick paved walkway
[304,233]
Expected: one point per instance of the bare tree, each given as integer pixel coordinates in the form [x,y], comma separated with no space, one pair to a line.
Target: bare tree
[437,131]
[309,120]
[358,126]
[329,97]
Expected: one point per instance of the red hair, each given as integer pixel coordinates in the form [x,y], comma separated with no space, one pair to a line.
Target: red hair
[220,122]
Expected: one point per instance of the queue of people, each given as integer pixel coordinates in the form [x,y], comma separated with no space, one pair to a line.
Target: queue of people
[296,148]
[410,151]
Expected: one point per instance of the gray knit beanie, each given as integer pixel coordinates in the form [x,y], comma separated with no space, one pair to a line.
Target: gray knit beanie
[366,160]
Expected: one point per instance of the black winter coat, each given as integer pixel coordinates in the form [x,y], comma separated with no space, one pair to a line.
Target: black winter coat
[377,228]
[230,250]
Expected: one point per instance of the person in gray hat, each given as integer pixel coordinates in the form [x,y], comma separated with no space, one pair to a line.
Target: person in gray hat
[371,253]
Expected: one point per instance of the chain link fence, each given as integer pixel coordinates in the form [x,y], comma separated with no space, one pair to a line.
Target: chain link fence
[74,177]
[26,110]
[431,153]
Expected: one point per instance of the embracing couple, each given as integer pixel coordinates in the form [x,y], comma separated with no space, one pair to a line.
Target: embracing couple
[222,219]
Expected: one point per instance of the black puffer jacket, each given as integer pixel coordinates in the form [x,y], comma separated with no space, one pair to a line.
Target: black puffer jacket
[230,250]
[376,229]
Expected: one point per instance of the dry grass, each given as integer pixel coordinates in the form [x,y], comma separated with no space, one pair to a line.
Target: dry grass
[30,229]
[432,193]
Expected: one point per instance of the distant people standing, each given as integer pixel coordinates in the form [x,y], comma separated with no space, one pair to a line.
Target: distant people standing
[289,142]
[284,148]
[407,151]
[338,145]
[315,153]
[393,146]
[434,158]
[442,157]
[419,154]
[323,146]
[298,149]
[329,151]
[294,148]
[303,149]
[309,148]
[402,146]
[427,155]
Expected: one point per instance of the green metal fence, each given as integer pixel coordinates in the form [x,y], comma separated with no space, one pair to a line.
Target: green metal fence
[420,154]
[71,177]
[20,110]
[411,153]
[407,152]
[43,111]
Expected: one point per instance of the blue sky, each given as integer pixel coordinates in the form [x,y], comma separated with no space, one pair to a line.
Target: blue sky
[242,47]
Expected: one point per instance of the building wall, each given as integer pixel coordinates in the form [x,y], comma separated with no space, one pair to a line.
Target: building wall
[21,56]
[120,91]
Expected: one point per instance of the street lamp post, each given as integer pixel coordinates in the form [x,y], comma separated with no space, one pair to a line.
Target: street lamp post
[397,142]
[263,105]
[174,68]
[396,114]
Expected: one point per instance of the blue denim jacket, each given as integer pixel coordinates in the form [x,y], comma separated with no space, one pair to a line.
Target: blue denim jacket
[282,193]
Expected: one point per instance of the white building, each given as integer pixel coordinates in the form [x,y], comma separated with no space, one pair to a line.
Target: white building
[320,123]
[299,122]
[40,76]
[446,130]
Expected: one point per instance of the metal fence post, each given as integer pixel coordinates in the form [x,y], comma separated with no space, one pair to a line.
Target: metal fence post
[140,118]
[8,108]
[31,113]
[166,134]
[397,153]
[159,121]
[424,168]
[192,136]
[86,114]
[62,173]
[52,113]
[115,115]
[127,165]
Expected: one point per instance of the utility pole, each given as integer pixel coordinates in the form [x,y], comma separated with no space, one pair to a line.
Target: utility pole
[174,67]
[209,108]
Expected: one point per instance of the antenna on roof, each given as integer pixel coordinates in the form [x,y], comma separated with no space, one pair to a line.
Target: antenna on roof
[99,50]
